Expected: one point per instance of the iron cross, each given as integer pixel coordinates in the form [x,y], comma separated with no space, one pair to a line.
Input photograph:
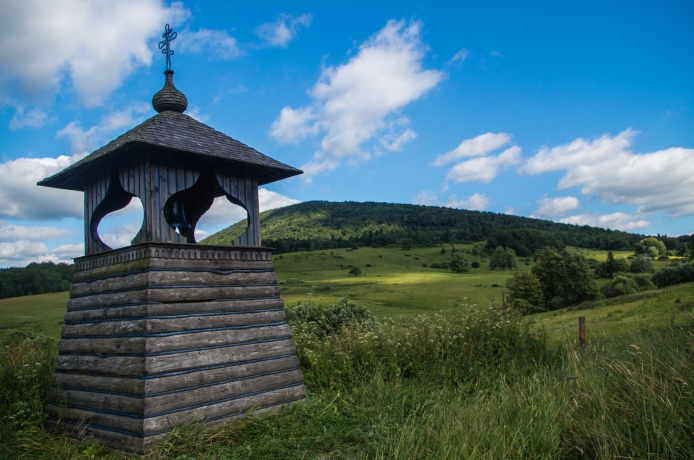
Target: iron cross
[168,35]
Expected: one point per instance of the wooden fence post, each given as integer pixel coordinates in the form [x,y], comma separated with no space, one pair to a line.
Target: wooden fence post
[582,333]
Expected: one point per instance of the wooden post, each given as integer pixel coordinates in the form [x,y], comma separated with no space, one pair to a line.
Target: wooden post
[582,332]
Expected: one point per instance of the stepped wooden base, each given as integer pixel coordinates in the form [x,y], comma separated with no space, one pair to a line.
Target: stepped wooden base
[158,335]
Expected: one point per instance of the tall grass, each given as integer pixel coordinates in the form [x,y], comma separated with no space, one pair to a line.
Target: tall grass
[473,385]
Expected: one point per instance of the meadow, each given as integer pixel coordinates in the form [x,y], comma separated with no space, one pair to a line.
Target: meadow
[443,371]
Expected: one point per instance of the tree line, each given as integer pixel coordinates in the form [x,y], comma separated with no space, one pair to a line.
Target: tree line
[322,225]
[35,278]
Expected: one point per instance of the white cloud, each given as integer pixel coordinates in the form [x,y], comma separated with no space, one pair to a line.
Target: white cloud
[395,143]
[283,30]
[551,207]
[294,125]
[84,141]
[226,213]
[22,118]
[121,235]
[20,197]
[11,232]
[604,167]
[194,112]
[616,221]
[355,102]
[427,198]
[510,211]
[96,44]
[484,169]
[480,145]
[476,202]
[218,43]
[496,54]
[21,253]
[459,57]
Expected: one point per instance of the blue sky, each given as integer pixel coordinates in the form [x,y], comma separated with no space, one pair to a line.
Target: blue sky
[578,112]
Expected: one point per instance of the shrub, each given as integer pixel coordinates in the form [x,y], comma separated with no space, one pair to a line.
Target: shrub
[475,264]
[326,320]
[356,271]
[641,264]
[459,263]
[669,276]
[564,277]
[525,293]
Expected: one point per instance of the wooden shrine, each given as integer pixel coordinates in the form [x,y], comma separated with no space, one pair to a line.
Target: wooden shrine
[166,331]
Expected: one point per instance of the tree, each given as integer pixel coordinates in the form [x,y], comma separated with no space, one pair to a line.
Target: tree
[406,243]
[443,250]
[652,247]
[525,293]
[356,271]
[641,264]
[565,278]
[502,258]
[613,265]
[459,263]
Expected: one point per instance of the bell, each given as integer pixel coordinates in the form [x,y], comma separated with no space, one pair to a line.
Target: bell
[175,215]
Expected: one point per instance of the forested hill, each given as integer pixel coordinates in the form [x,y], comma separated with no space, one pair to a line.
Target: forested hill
[325,225]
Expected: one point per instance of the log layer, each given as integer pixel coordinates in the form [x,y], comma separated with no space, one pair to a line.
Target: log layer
[161,335]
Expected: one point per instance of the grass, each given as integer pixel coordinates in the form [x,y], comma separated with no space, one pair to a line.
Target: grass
[463,380]
[43,313]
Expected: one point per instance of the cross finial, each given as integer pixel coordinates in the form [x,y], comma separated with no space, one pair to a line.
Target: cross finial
[168,35]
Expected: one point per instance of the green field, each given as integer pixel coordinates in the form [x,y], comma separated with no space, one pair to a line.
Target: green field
[465,380]
[393,283]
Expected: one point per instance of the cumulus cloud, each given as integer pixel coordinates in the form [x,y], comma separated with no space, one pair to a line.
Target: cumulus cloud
[476,202]
[21,253]
[11,232]
[20,198]
[615,221]
[459,57]
[84,141]
[551,207]
[426,198]
[283,30]
[480,145]
[218,43]
[93,45]
[32,118]
[358,101]
[226,213]
[484,169]
[606,168]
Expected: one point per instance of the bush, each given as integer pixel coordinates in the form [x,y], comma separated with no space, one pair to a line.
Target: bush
[475,264]
[440,348]
[459,263]
[669,276]
[626,283]
[356,271]
[564,277]
[525,293]
[641,264]
[326,320]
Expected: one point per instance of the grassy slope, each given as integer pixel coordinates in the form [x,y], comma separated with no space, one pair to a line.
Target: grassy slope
[395,284]
[42,312]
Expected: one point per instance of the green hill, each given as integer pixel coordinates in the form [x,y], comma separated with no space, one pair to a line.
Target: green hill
[328,225]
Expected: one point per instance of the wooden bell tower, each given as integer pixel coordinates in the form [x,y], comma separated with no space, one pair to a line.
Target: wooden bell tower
[166,331]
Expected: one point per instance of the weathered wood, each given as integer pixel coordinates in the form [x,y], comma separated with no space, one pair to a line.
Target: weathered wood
[164,422]
[174,294]
[213,410]
[152,365]
[155,404]
[141,386]
[170,278]
[180,341]
[156,326]
[173,309]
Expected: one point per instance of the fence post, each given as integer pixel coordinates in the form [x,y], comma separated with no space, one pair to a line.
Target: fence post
[582,332]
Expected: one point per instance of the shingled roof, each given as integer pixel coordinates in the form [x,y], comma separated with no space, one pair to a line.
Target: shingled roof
[173,130]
